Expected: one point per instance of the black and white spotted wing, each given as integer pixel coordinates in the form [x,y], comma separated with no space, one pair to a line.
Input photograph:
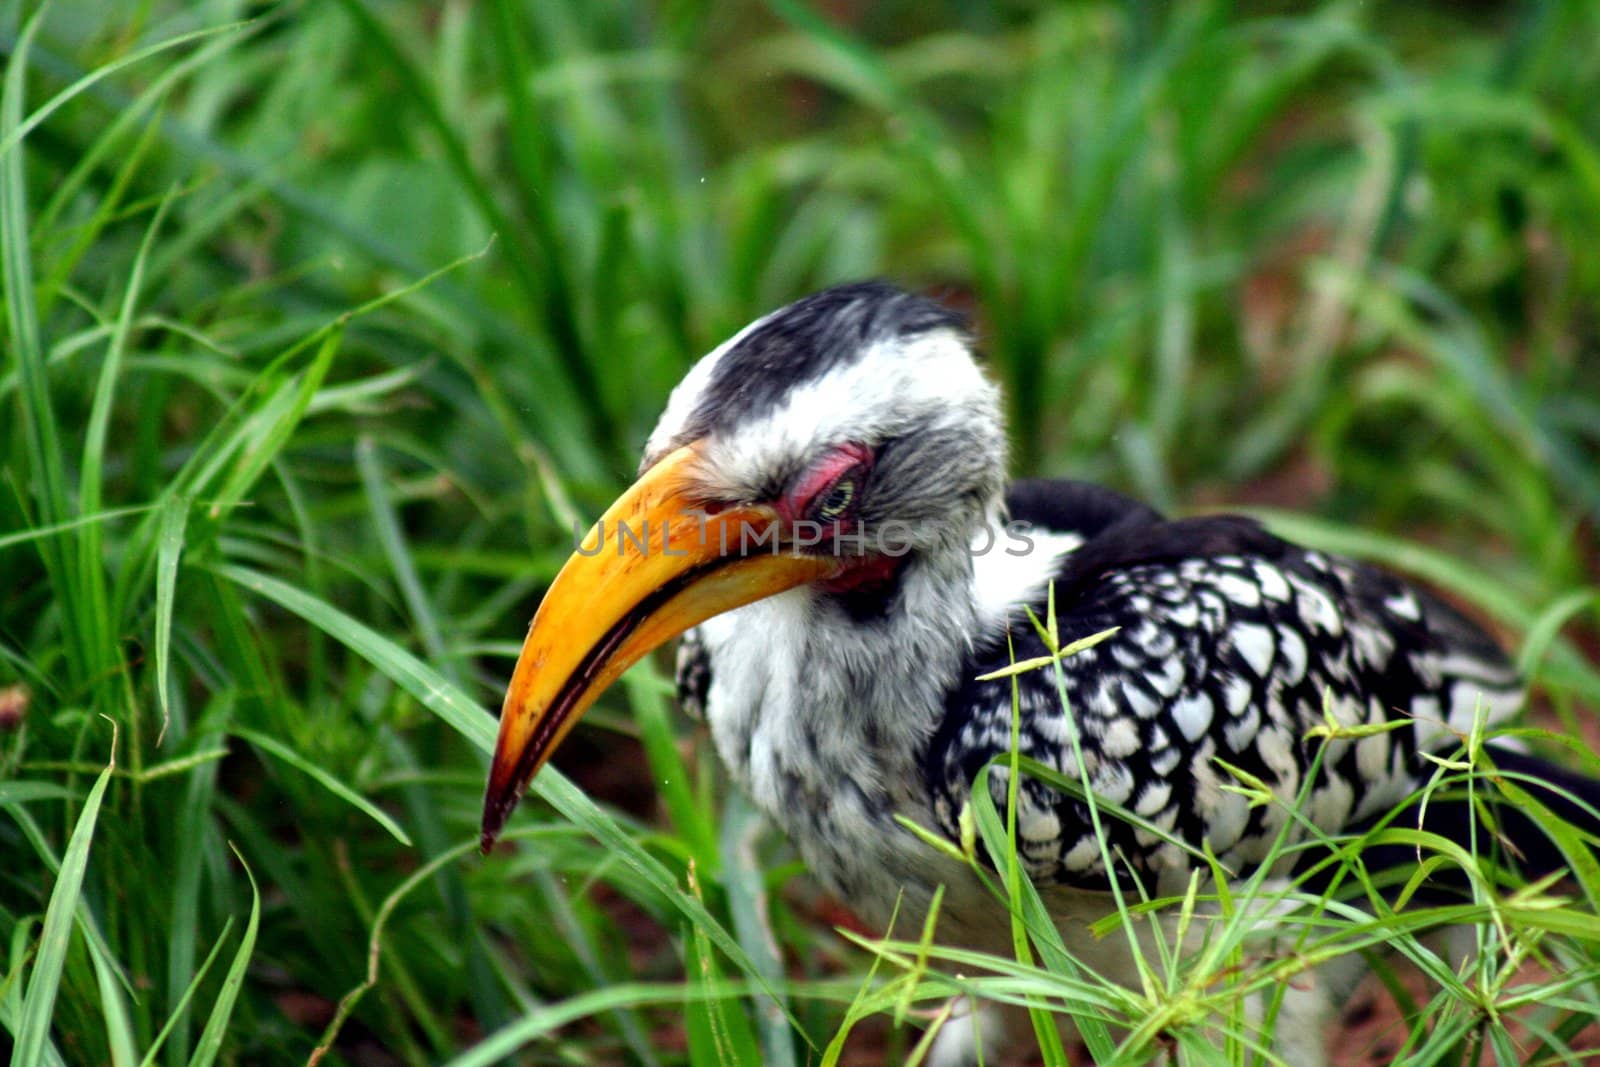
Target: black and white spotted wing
[1227,639]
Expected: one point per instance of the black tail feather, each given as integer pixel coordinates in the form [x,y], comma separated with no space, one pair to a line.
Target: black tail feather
[1574,798]
[1512,835]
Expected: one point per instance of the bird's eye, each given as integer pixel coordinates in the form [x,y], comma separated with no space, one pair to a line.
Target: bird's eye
[832,489]
[836,501]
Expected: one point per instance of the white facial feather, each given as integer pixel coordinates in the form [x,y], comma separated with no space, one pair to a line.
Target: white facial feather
[927,381]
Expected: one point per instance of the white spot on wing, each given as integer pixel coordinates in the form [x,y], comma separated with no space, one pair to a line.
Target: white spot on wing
[1293,647]
[1224,814]
[1316,610]
[1330,803]
[1127,657]
[1162,820]
[1427,715]
[1239,590]
[1372,646]
[1236,693]
[1254,643]
[1083,856]
[1239,733]
[1193,715]
[1467,697]
[1404,605]
[1051,728]
[1372,756]
[1165,761]
[1274,745]
[1140,703]
[1170,678]
[1475,667]
[1115,786]
[1271,580]
[1153,798]
[1120,738]
[1038,824]
[1186,614]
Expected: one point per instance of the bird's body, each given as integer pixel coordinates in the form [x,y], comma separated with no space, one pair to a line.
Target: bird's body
[842,680]
[1227,642]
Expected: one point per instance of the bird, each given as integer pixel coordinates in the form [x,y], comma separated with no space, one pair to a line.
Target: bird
[823,514]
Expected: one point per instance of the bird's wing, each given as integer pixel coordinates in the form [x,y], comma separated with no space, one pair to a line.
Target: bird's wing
[1227,640]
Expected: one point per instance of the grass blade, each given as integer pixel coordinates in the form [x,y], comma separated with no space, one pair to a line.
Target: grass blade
[45,978]
[169,547]
[453,706]
[181,1009]
[13,136]
[216,1030]
[375,481]
[748,907]
[328,781]
[16,272]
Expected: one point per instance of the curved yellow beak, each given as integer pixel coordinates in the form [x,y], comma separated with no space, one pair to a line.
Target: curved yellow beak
[655,565]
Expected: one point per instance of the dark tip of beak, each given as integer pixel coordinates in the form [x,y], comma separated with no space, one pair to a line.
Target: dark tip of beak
[496,809]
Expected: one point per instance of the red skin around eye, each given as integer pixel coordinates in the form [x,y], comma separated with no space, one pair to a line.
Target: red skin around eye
[861,571]
[821,477]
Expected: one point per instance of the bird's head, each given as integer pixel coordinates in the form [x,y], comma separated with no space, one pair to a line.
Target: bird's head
[827,446]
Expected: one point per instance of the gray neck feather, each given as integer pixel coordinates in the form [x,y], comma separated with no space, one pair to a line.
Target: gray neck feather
[824,719]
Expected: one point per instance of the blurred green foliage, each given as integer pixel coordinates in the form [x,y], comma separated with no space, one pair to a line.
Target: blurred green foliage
[372,300]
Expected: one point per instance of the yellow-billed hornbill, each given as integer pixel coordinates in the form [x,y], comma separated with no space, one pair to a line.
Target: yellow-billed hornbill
[824,502]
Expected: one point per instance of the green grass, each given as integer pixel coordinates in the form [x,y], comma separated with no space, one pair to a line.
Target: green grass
[322,323]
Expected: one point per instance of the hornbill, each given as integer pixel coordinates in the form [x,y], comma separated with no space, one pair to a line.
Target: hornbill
[823,508]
